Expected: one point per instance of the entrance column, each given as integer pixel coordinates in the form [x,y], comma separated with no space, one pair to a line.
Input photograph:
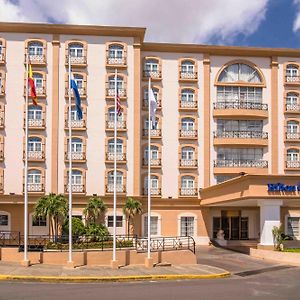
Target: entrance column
[269,217]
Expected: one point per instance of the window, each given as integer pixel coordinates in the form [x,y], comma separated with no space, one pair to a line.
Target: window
[293,155]
[3,220]
[115,51]
[76,177]
[239,94]
[79,80]
[187,66]
[239,125]
[291,99]
[35,144]
[240,154]
[187,95]
[74,114]
[119,146]
[292,71]
[153,126]
[155,92]
[153,225]
[111,82]
[34,176]
[35,48]
[151,65]
[293,226]
[187,226]
[119,178]
[292,127]
[111,115]
[187,153]
[153,153]
[34,112]
[187,124]
[77,145]
[38,80]
[187,182]
[39,221]
[119,221]
[239,72]
[76,50]
[154,182]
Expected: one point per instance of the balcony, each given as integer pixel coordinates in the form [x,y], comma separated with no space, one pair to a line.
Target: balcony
[76,188]
[35,155]
[292,108]
[38,59]
[2,57]
[77,61]
[290,80]
[2,117]
[154,162]
[240,109]
[120,188]
[76,124]
[241,138]
[154,133]
[2,91]
[36,123]
[188,134]
[81,90]
[153,191]
[146,106]
[154,75]
[40,91]
[115,62]
[121,125]
[110,93]
[291,164]
[35,188]
[188,163]
[120,157]
[292,136]
[75,156]
[188,105]
[188,191]
[1,152]
[188,76]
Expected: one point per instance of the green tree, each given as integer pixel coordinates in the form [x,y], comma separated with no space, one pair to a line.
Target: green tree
[54,207]
[131,208]
[77,227]
[94,210]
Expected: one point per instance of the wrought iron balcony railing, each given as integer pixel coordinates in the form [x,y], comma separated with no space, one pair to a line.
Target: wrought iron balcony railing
[145,103]
[38,59]
[35,155]
[81,90]
[2,58]
[188,163]
[36,123]
[153,191]
[2,90]
[76,188]
[188,104]
[116,61]
[188,133]
[76,124]
[120,188]
[292,135]
[187,191]
[292,107]
[77,60]
[35,187]
[236,163]
[110,156]
[152,74]
[80,156]
[153,132]
[241,134]
[156,162]
[110,124]
[292,164]
[188,75]
[110,92]
[292,79]
[240,105]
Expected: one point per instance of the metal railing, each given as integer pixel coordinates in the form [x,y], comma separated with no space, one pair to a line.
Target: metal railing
[145,103]
[153,162]
[77,60]
[241,134]
[110,124]
[188,163]
[292,164]
[36,58]
[153,132]
[240,105]
[79,155]
[292,135]
[76,188]
[292,107]
[188,104]
[188,192]
[188,75]
[35,155]
[35,187]
[153,191]
[81,90]
[2,57]
[188,133]
[38,123]
[110,156]
[292,79]
[84,242]
[76,123]
[110,92]
[116,61]
[152,74]
[247,163]
[120,188]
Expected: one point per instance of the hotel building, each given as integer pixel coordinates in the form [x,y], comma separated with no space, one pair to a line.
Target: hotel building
[227,126]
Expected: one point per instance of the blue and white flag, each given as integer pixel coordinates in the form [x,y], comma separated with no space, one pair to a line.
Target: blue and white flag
[153,105]
[77,97]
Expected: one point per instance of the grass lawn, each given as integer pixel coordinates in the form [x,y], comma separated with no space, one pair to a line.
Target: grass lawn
[296,250]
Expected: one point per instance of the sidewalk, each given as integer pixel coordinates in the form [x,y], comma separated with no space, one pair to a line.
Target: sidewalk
[49,273]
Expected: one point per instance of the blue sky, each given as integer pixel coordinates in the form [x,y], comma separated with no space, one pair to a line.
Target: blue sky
[265,23]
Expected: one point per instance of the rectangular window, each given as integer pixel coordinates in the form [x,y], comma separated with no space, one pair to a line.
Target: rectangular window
[3,220]
[187,226]
[153,225]
[119,221]
[293,226]
[39,221]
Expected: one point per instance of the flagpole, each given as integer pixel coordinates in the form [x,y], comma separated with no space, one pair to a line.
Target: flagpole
[70,166]
[115,172]
[149,173]
[26,169]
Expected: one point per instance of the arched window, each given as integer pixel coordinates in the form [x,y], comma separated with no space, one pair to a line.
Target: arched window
[34,144]
[76,50]
[188,70]
[34,176]
[119,146]
[77,178]
[187,95]
[292,71]
[187,124]
[151,65]
[38,80]
[154,185]
[155,92]
[240,72]
[153,126]
[187,182]
[77,145]
[78,78]
[119,182]
[115,51]
[293,155]
[111,115]
[120,82]
[154,152]
[292,100]
[292,127]
[35,112]
[35,48]
[74,114]
[187,153]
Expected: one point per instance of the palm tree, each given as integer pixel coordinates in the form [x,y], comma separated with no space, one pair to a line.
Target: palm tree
[94,209]
[131,209]
[53,206]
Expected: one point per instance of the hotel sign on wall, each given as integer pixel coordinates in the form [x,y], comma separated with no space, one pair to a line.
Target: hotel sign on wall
[280,187]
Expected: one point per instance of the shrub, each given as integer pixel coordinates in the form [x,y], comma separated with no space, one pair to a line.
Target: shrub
[97,230]
[77,227]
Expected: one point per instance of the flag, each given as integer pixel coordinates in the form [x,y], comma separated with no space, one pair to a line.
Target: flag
[31,85]
[77,98]
[119,108]
[153,105]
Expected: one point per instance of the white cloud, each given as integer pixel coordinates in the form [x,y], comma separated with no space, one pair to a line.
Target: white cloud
[165,20]
[296,25]
[10,12]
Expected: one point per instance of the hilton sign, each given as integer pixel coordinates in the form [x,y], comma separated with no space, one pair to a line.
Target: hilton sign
[280,187]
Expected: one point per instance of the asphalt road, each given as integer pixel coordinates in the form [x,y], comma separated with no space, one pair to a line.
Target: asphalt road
[272,284]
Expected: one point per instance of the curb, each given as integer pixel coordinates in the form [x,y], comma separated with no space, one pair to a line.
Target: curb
[78,279]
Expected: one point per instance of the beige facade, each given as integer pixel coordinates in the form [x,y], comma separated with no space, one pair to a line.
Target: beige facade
[222,112]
